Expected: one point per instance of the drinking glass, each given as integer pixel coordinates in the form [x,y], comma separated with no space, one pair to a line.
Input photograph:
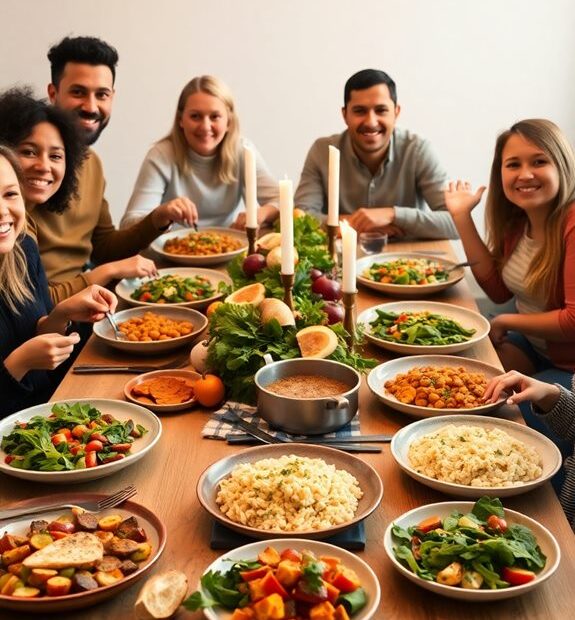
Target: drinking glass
[372,242]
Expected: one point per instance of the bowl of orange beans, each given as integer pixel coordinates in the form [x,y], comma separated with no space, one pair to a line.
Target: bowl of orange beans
[148,331]
[433,385]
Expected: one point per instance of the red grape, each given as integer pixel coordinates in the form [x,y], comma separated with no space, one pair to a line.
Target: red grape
[253,264]
[328,289]
[334,311]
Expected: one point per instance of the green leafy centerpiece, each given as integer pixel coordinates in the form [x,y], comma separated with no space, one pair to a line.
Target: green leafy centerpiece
[254,321]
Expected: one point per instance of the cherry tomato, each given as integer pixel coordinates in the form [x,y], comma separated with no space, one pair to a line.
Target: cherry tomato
[517,576]
[94,446]
[497,524]
[91,459]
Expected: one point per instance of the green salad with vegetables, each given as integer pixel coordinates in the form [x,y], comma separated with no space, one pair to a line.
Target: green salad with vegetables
[418,328]
[476,551]
[74,436]
[407,271]
[172,289]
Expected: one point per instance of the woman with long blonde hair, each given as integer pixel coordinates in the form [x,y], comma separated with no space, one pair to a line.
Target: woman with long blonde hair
[530,254]
[201,162]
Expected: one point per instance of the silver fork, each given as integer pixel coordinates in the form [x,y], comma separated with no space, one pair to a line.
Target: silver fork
[118,334]
[90,505]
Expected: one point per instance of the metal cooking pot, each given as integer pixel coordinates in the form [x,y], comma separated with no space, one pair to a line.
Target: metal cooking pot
[307,416]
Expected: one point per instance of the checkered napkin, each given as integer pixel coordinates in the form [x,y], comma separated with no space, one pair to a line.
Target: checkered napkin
[216,428]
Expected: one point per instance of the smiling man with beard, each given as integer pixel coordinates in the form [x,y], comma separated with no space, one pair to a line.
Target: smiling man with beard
[390,179]
[83,72]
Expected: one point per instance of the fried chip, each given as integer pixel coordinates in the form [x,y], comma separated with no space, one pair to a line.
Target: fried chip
[165,390]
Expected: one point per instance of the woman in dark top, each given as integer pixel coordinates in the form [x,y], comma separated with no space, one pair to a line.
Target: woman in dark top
[33,338]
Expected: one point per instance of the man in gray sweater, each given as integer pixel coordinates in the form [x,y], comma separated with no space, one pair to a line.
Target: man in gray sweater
[390,179]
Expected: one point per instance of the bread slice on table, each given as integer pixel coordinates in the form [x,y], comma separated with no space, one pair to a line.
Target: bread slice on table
[80,549]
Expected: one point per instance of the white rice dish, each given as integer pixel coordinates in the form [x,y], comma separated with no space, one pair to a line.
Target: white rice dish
[289,494]
[475,456]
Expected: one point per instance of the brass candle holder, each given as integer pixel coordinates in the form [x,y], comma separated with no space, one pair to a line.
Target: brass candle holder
[332,232]
[288,282]
[349,317]
[252,233]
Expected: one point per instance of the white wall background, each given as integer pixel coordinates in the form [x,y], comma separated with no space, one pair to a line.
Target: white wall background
[465,70]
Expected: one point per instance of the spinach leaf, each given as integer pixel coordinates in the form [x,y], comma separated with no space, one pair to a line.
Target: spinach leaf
[400,533]
[486,506]
[405,555]
[492,579]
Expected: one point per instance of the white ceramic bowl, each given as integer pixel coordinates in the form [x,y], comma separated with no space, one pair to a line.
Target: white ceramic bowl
[155,531]
[211,259]
[118,408]
[127,286]
[468,319]
[407,291]
[369,481]
[388,370]
[545,539]
[550,454]
[183,374]
[103,330]
[367,577]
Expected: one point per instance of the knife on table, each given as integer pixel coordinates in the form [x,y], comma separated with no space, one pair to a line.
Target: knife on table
[88,369]
[253,429]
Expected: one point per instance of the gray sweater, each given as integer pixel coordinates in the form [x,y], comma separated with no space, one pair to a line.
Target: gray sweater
[218,204]
[410,179]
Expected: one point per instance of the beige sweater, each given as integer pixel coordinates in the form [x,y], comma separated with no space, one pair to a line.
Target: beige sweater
[84,233]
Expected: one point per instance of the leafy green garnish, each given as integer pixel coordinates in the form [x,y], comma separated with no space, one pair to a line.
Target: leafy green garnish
[313,570]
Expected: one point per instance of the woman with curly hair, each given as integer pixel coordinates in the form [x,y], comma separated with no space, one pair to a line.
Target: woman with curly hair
[33,338]
[51,151]
[200,163]
[24,123]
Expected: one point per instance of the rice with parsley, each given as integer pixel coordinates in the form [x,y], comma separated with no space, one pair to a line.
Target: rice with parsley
[289,494]
[475,456]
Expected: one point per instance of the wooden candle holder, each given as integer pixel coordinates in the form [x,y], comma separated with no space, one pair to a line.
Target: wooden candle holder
[349,317]
[288,282]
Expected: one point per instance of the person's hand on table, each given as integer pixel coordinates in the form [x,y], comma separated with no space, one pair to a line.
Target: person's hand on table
[377,219]
[542,395]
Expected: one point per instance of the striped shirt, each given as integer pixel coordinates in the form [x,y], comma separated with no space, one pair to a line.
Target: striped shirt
[514,275]
[561,419]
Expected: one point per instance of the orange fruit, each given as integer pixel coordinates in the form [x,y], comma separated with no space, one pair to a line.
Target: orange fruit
[297,212]
[213,307]
[210,390]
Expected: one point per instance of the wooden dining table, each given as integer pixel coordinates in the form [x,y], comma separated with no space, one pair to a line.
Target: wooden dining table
[166,481]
